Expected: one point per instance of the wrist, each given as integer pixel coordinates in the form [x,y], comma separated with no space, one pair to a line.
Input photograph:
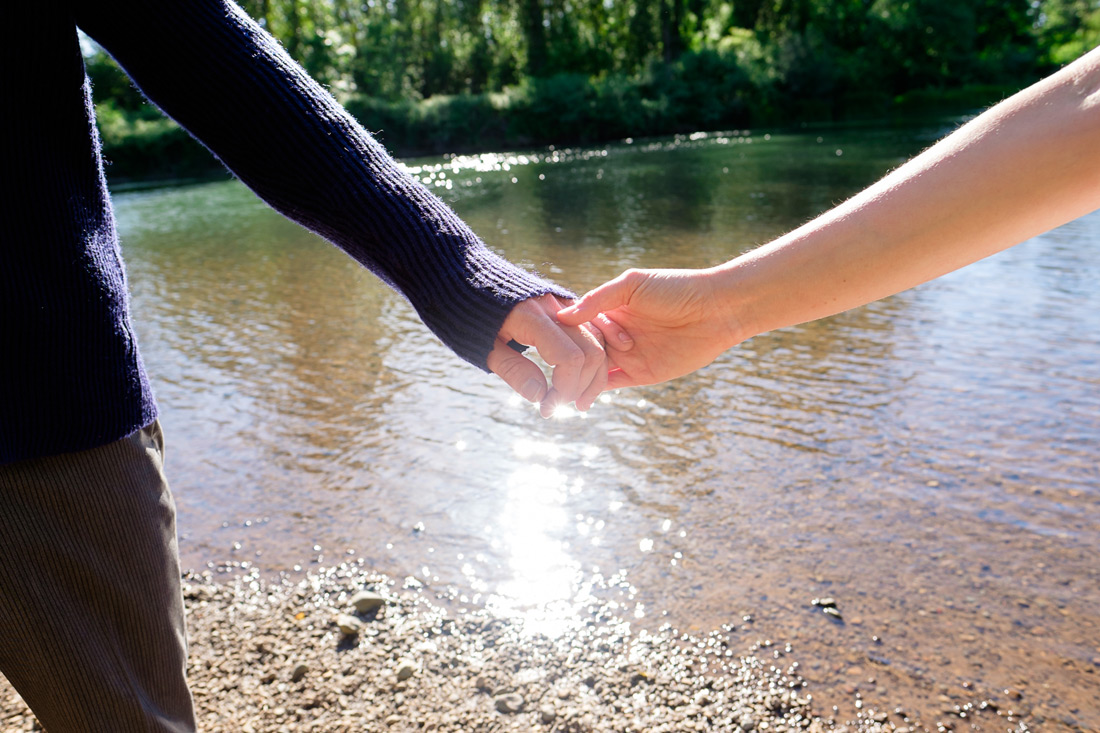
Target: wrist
[724,285]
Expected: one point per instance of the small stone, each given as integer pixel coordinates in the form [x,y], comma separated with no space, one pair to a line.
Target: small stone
[366,601]
[824,602]
[832,611]
[510,703]
[349,625]
[1013,694]
[299,672]
[393,720]
[405,669]
[547,714]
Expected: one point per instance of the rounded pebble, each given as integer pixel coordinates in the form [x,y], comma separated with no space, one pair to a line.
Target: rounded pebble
[510,703]
[366,601]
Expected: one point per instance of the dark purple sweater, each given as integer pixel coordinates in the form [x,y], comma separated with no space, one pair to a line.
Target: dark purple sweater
[71,376]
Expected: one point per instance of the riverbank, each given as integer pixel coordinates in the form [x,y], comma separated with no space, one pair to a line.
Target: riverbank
[140,144]
[344,649]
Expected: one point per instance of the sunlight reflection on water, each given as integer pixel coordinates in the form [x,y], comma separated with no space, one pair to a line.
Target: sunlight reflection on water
[929,459]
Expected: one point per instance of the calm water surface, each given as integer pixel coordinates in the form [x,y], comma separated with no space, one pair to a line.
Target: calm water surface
[930,461]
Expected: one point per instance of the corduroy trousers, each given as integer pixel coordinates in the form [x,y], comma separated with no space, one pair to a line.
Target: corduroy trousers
[91,614]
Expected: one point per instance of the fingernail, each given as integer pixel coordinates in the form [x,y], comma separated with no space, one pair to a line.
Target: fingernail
[532,390]
[625,337]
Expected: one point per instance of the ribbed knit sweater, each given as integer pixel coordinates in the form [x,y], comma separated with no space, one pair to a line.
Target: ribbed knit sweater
[71,376]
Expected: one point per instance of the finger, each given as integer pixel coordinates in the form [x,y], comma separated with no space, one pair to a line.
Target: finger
[614,335]
[532,322]
[559,351]
[550,403]
[518,372]
[593,367]
[595,387]
[606,297]
[595,371]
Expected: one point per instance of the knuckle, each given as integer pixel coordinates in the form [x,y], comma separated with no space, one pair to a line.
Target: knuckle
[512,370]
[507,369]
[575,358]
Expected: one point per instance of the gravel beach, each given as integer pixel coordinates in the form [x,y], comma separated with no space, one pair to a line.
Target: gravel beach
[345,649]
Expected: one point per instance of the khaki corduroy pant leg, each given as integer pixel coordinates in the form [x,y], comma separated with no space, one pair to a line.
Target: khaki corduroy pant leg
[91,614]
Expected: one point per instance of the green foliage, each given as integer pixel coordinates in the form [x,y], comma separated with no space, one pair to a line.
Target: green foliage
[443,75]
[1071,27]
[135,146]
[110,83]
[705,89]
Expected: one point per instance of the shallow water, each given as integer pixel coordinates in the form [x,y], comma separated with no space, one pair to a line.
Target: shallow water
[929,461]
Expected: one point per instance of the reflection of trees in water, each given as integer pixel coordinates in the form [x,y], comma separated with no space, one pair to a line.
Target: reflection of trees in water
[628,209]
[271,341]
[784,398]
[674,202]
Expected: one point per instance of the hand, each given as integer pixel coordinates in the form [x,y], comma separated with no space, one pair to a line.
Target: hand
[575,351]
[674,322]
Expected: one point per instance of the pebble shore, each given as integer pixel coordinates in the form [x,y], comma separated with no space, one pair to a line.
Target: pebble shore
[344,649]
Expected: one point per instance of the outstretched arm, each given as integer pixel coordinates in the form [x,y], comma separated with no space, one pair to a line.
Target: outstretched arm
[1021,168]
[231,85]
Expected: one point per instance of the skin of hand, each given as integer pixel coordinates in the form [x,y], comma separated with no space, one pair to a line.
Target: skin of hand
[575,352]
[1028,165]
[672,323]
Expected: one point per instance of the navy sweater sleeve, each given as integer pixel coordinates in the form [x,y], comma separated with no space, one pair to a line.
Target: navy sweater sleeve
[224,79]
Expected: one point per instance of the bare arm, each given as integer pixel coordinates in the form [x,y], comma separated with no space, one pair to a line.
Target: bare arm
[1021,168]
[1026,166]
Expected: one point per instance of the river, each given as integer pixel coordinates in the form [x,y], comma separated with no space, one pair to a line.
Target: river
[929,461]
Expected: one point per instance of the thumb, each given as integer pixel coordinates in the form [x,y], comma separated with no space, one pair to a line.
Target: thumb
[517,371]
[607,297]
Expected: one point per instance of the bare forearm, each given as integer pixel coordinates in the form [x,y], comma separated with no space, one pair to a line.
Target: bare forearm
[1026,166]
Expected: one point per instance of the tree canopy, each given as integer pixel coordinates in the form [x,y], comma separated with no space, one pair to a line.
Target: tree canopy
[440,75]
[402,49]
